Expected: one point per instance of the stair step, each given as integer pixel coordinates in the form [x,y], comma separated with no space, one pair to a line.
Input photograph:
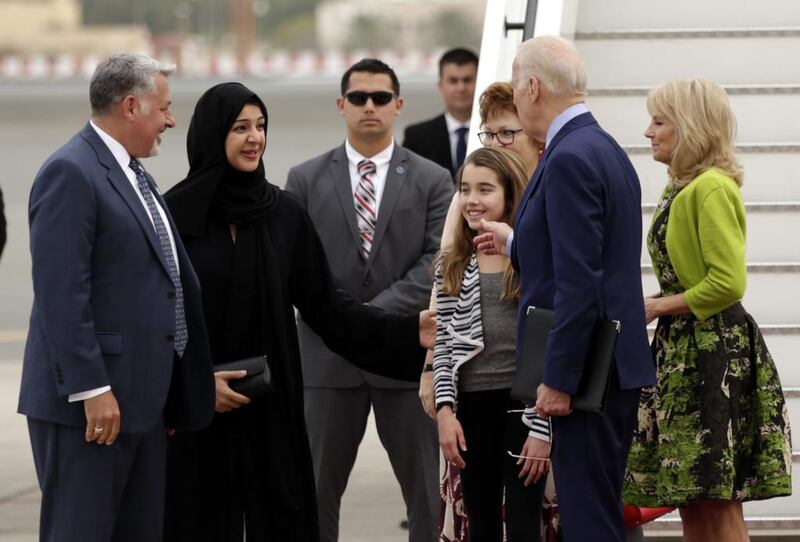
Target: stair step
[635,14]
[626,118]
[773,235]
[694,33]
[772,297]
[644,148]
[750,207]
[725,60]
[732,90]
[767,176]
[774,267]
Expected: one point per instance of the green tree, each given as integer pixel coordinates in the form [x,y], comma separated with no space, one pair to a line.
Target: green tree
[454,29]
[366,32]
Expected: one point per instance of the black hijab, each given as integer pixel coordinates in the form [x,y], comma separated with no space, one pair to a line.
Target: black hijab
[259,319]
[212,185]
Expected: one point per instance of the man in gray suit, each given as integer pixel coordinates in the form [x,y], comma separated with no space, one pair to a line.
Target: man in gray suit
[379,210]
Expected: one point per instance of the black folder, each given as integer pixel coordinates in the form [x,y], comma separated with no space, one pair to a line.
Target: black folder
[598,368]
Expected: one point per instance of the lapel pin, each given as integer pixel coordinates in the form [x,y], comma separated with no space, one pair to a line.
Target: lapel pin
[400,170]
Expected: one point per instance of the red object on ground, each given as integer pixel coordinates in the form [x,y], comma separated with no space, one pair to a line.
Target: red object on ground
[635,516]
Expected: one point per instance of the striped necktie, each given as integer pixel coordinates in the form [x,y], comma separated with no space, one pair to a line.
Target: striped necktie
[181,333]
[366,208]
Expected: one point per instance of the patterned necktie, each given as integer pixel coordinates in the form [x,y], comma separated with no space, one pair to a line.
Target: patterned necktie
[366,210]
[461,145]
[181,333]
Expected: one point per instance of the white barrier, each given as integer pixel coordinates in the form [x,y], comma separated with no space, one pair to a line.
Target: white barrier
[278,63]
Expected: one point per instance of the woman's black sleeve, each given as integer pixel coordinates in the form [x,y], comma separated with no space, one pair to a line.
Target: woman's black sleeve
[376,341]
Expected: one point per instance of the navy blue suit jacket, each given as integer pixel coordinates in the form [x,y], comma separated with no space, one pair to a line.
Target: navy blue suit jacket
[577,245]
[104,304]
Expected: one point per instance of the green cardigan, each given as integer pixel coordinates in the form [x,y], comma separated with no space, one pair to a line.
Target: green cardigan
[706,242]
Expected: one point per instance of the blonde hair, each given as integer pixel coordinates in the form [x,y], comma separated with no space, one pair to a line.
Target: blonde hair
[555,62]
[704,128]
[511,173]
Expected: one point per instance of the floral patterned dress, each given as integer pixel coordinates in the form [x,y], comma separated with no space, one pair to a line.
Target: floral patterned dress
[715,424]
[454,524]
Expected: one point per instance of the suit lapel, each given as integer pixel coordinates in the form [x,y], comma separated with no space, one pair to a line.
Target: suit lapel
[340,173]
[529,190]
[124,188]
[442,136]
[398,169]
[584,119]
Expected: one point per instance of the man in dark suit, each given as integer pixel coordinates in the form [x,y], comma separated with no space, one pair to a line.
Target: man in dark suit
[577,244]
[443,139]
[379,211]
[117,349]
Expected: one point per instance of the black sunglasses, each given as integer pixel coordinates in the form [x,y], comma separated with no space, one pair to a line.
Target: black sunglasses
[359,97]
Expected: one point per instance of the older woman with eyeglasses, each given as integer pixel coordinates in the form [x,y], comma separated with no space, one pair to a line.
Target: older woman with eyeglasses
[500,127]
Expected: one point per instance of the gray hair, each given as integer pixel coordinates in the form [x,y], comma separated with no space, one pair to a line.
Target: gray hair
[121,75]
[555,62]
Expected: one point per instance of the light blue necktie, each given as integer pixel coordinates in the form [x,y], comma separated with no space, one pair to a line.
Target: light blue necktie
[181,333]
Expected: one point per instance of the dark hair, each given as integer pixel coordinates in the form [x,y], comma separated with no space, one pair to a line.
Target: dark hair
[459,56]
[370,65]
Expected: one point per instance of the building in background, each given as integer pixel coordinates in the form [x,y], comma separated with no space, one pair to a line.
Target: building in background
[54,28]
[399,24]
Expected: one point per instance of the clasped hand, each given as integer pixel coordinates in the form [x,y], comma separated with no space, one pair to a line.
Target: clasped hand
[226,398]
[552,402]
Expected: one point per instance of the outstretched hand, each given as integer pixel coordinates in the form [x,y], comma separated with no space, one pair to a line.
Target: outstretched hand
[427,329]
[494,238]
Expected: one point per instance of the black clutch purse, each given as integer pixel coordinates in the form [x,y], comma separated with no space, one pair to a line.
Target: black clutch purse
[598,368]
[258,380]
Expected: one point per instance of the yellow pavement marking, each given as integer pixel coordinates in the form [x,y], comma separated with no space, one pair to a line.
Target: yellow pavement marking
[8,336]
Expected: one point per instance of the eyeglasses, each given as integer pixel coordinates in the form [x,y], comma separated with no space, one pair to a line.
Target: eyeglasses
[359,97]
[504,137]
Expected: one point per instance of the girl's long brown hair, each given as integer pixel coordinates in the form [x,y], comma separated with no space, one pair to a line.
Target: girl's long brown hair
[511,173]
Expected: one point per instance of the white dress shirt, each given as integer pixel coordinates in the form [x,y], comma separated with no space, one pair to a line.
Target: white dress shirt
[124,159]
[381,161]
[452,126]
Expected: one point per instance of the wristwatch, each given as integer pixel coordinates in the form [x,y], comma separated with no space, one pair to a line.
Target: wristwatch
[428,368]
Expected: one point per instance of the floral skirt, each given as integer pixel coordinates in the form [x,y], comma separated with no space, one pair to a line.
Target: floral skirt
[715,424]
[454,524]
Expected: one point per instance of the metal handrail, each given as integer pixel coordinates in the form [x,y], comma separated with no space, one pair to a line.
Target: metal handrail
[527,26]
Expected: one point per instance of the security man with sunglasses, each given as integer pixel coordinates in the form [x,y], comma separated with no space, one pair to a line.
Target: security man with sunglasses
[379,210]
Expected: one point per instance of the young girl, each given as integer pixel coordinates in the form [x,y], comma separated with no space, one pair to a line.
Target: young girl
[479,424]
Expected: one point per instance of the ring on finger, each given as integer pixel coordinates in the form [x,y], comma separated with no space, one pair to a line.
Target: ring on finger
[98,430]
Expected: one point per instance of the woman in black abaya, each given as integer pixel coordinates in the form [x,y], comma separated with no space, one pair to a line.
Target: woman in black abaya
[256,255]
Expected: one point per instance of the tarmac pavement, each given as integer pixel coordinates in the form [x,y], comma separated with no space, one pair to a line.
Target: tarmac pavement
[371,509]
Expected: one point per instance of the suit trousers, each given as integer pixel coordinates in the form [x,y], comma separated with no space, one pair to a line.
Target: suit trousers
[589,455]
[97,493]
[337,419]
